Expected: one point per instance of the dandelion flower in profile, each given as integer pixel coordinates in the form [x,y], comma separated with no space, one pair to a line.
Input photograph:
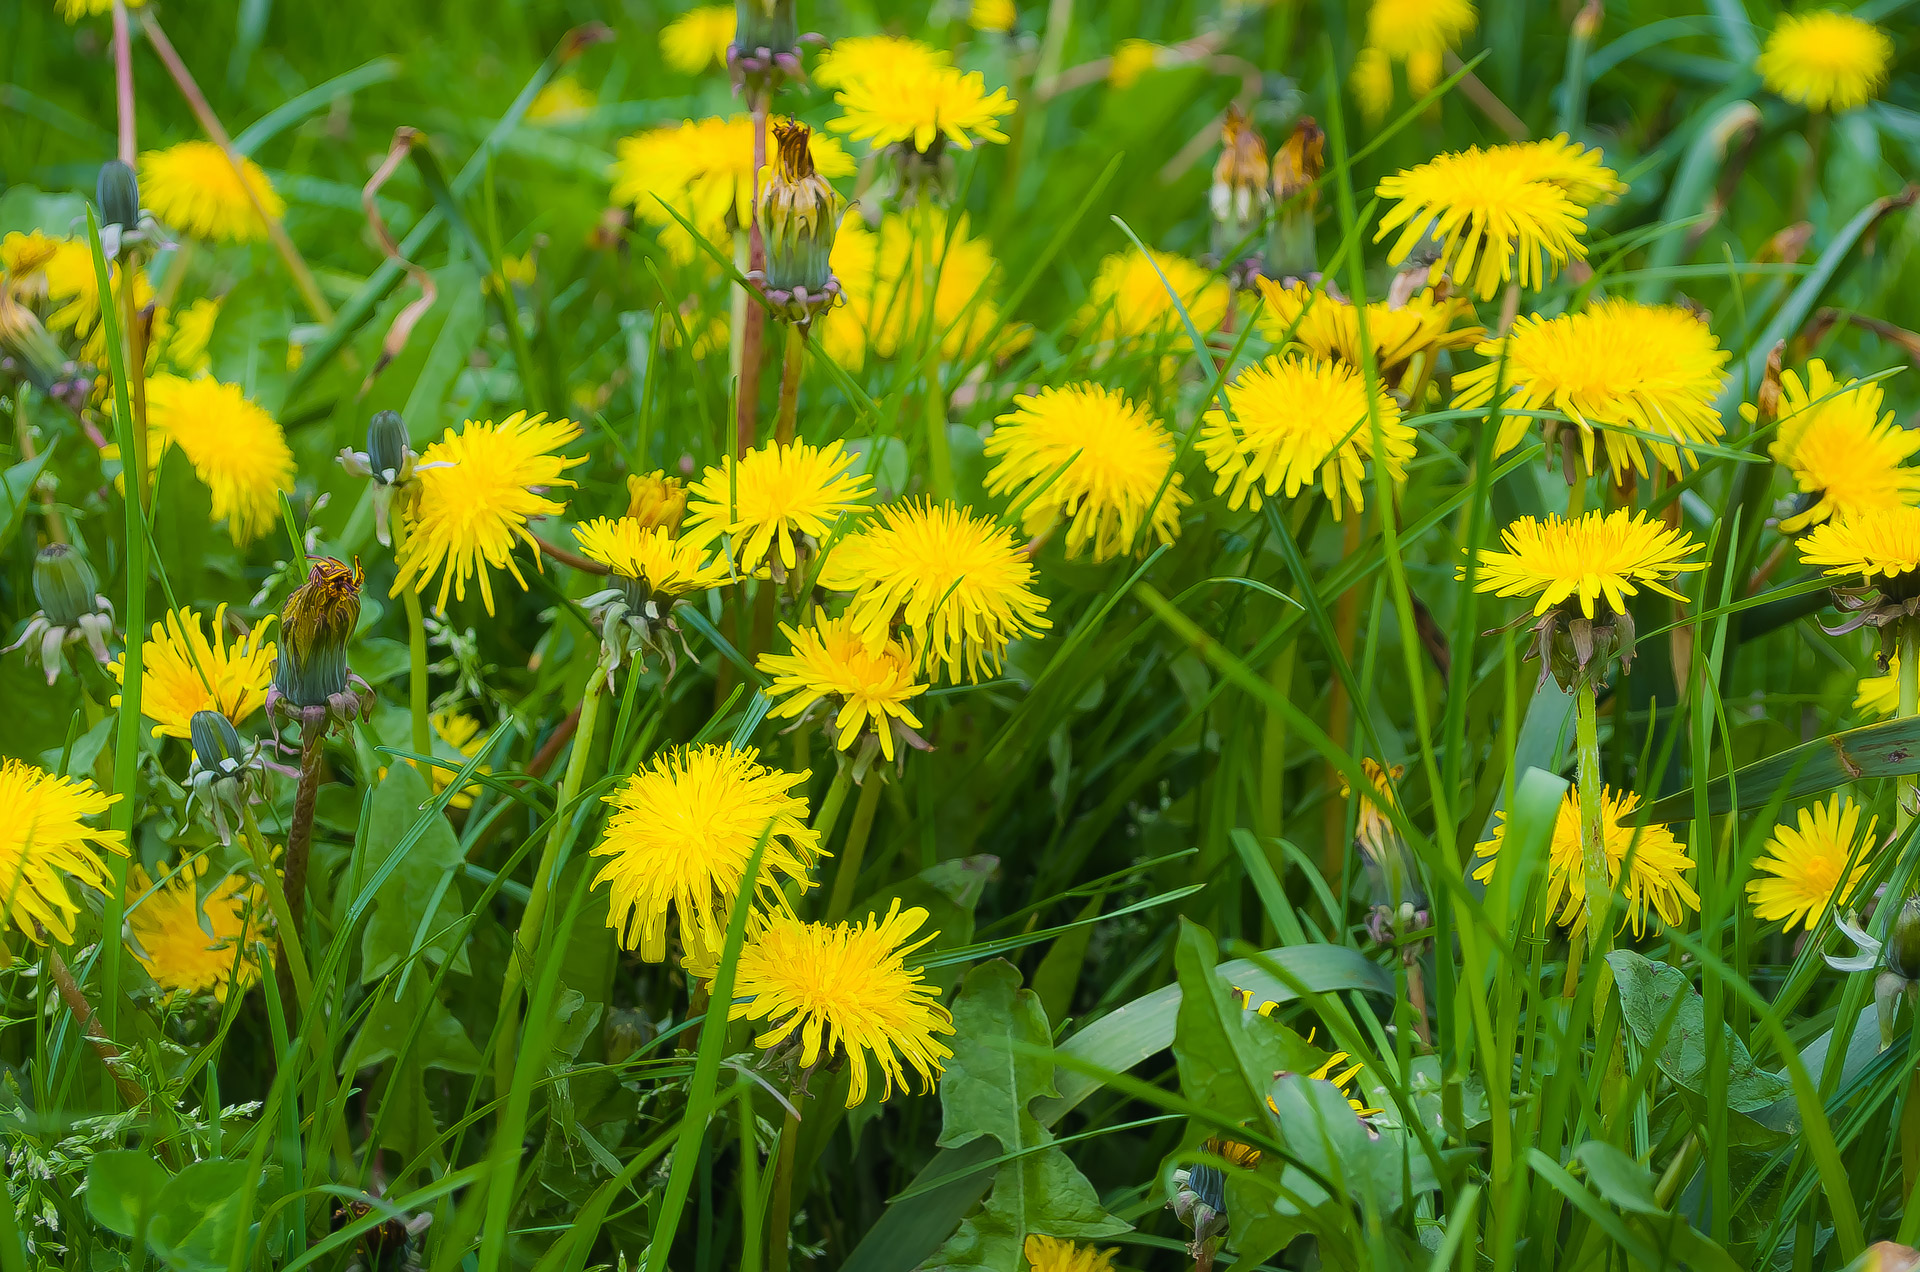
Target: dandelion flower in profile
[1633,378]
[845,990]
[1087,457]
[1656,884]
[698,38]
[1825,60]
[1298,422]
[1131,60]
[1488,220]
[74,10]
[193,190]
[1406,29]
[992,15]
[44,836]
[1050,1254]
[682,832]
[1328,326]
[899,104]
[864,688]
[1808,863]
[1879,695]
[1846,458]
[1581,174]
[960,585]
[777,496]
[192,947]
[1130,306]
[664,566]
[183,671]
[566,98]
[1373,828]
[1595,561]
[236,448]
[1883,542]
[477,490]
[859,57]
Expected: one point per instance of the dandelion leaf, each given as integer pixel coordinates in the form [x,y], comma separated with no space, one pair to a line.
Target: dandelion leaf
[400,909]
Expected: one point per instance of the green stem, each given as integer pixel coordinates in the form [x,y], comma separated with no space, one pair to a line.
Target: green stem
[848,870]
[1593,842]
[939,453]
[752,1203]
[300,839]
[542,890]
[828,817]
[292,956]
[790,367]
[780,1221]
[1273,748]
[1909,705]
[416,663]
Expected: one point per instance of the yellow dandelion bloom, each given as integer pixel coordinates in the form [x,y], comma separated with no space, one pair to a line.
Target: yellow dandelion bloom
[1404,28]
[1131,60]
[1488,218]
[631,549]
[897,104]
[192,334]
[1130,307]
[236,448]
[890,279]
[1602,557]
[1842,452]
[192,947]
[1808,864]
[845,990]
[703,169]
[775,495]
[1371,81]
[1825,60]
[43,836]
[477,490]
[183,671]
[655,499]
[992,15]
[1297,422]
[1884,542]
[832,661]
[1050,1254]
[1648,375]
[192,189]
[859,57]
[59,272]
[74,10]
[1879,694]
[1341,1080]
[1088,457]
[1373,827]
[566,98]
[1329,327]
[698,38]
[959,585]
[1580,173]
[681,835]
[1656,883]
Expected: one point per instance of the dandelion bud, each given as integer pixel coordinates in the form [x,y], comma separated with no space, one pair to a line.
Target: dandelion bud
[798,215]
[766,40]
[655,499]
[216,743]
[310,676]
[1903,942]
[1768,402]
[1296,168]
[218,778]
[65,585]
[118,193]
[1239,195]
[389,450]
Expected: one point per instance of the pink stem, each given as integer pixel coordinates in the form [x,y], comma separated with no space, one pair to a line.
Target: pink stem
[123,82]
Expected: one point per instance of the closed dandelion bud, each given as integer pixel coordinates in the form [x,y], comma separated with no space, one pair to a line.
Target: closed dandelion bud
[216,743]
[1767,403]
[1903,942]
[389,449]
[798,214]
[65,585]
[1239,195]
[118,193]
[766,40]
[310,677]
[1296,168]
[217,778]
[655,499]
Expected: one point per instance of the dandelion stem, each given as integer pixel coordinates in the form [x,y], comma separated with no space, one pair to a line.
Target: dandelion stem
[780,1219]
[300,838]
[754,322]
[123,84]
[1909,705]
[829,815]
[1346,627]
[1593,843]
[292,956]
[795,359]
[76,1000]
[848,870]
[416,661]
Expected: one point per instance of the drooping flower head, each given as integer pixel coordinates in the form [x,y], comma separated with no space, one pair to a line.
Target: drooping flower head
[194,190]
[1051,1254]
[1633,377]
[779,499]
[1087,457]
[958,584]
[1655,884]
[43,837]
[844,989]
[485,483]
[1484,219]
[864,690]
[1293,249]
[193,947]
[1300,422]
[1130,307]
[1826,60]
[1808,864]
[681,835]
[1373,831]
[698,38]
[183,672]
[236,448]
[1328,326]
[1846,458]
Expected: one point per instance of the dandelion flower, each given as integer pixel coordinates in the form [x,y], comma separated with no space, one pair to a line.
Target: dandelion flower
[192,334]
[1826,60]
[1328,326]
[1581,174]
[1656,883]
[1130,306]
[992,15]
[44,835]
[698,38]
[477,490]
[864,687]
[182,671]
[1297,421]
[1131,60]
[74,10]
[1372,82]
[461,733]
[193,189]
[1087,456]
[566,98]
[1883,542]
[1049,1254]
[1808,864]
[899,104]
[1489,218]
[776,495]
[236,448]
[60,273]
[1341,1081]
[1844,455]
[630,549]
[655,499]
[1879,695]
[1600,558]
[193,947]
[1646,374]
[1406,28]
[682,833]
[915,274]
[845,990]
[960,585]
[860,57]
[1373,826]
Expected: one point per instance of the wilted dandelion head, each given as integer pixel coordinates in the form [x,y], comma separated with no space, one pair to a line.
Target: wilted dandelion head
[866,687]
[698,38]
[682,833]
[777,495]
[477,490]
[183,671]
[1373,825]
[1599,558]
[192,189]
[924,107]
[1825,60]
[43,837]
[1300,422]
[1090,458]
[631,549]
[1484,218]
[1806,864]
[193,947]
[236,448]
[1843,453]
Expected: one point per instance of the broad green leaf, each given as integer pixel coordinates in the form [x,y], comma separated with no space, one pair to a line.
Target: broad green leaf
[122,1185]
[400,914]
[195,1214]
[1650,992]
[1890,749]
[1618,1177]
[443,1043]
